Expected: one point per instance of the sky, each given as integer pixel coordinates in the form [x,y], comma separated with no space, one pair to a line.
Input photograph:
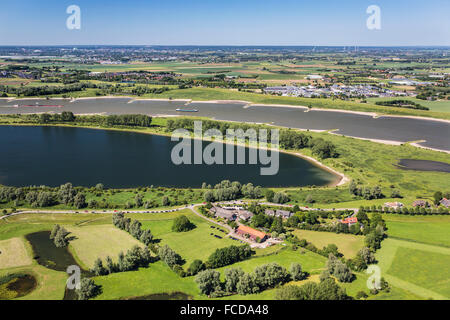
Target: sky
[226,22]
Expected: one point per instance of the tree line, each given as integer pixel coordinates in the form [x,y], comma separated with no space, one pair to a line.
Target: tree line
[236,281]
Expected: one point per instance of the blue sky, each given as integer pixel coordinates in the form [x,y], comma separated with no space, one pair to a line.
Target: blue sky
[229,22]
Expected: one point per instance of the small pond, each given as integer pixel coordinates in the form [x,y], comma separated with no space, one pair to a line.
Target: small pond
[16,286]
[423,165]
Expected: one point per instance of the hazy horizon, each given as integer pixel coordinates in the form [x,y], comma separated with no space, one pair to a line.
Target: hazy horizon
[231,23]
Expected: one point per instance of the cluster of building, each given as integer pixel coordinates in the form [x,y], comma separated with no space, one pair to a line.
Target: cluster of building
[231,213]
[334,90]
[416,204]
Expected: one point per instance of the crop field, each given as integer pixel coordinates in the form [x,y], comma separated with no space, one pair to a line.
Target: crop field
[418,268]
[198,243]
[348,244]
[92,242]
[13,253]
[424,229]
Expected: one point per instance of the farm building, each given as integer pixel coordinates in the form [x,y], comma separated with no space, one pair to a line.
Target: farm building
[278,213]
[219,212]
[350,221]
[421,203]
[251,233]
[394,205]
[445,202]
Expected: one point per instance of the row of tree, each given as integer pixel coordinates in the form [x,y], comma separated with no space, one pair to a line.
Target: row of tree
[226,191]
[264,277]
[133,259]
[133,227]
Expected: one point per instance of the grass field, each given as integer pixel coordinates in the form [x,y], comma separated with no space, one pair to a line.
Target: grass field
[13,253]
[195,244]
[418,268]
[93,242]
[427,269]
[348,244]
[310,262]
[425,229]
[433,230]
[157,278]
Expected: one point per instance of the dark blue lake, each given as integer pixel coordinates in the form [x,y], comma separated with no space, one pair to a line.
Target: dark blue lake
[54,155]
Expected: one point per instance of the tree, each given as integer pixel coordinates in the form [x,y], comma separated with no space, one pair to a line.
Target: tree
[139,199]
[281,198]
[60,239]
[208,281]
[437,197]
[296,272]
[99,187]
[66,193]
[146,237]
[232,277]
[209,196]
[98,268]
[247,284]
[361,295]
[182,224]
[269,194]
[88,289]
[196,266]
[110,266]
[170,257]
[54,231]
[325,290]
[270,275]
[165,201]
[80,201]
[135,229]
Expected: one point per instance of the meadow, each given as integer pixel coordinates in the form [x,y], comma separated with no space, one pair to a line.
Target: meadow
[347,244]
[93,242]
[432,230]
[418,268]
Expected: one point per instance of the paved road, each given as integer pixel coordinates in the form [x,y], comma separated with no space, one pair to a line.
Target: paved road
[91,211]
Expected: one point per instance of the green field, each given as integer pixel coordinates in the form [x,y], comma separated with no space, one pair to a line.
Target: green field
[348,244]
[195,244]
[430,270]
[418,268]
[433,230]
[93,242]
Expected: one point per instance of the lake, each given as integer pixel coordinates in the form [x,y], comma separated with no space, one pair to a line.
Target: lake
[435,133]
[55,155]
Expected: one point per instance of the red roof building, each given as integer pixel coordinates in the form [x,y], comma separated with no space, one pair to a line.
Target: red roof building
[350,221]
[253,234]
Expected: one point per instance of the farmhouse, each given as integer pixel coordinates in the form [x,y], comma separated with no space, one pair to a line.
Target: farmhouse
[278,213]
[445,202]
[251,233]
[394,205]
[421,203]
[219,212]
[244,215]
[350,221]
